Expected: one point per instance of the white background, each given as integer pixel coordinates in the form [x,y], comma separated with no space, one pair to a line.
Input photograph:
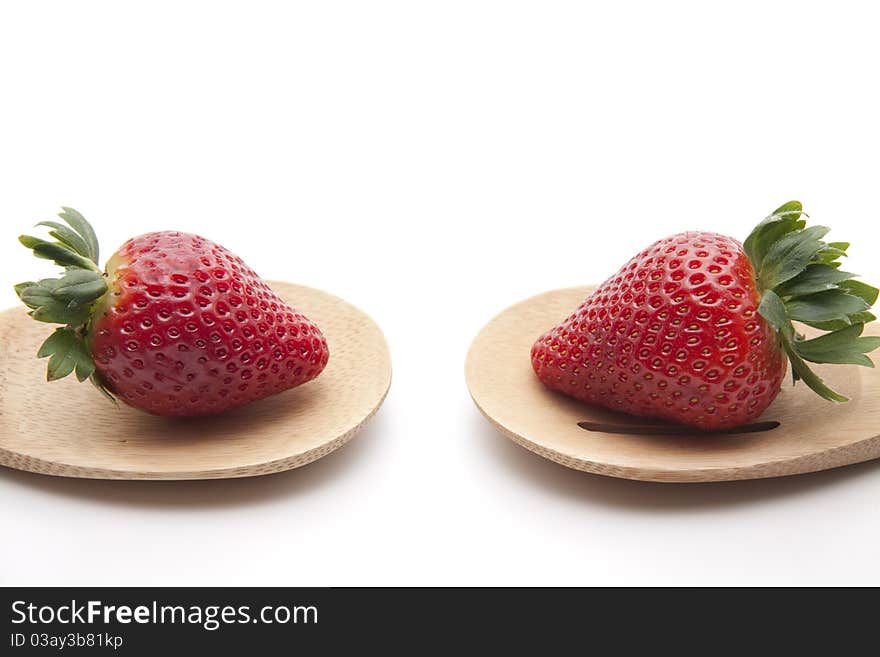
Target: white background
[434,163]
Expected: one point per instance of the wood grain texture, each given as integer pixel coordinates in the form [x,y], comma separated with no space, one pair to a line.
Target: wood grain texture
[68,429]
[813,434]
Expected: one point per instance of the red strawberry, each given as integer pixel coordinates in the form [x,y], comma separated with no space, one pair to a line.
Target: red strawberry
[177,325]
[697,328]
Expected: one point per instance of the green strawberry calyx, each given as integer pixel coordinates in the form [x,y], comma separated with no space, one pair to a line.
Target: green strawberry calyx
[67,300]
[799,279]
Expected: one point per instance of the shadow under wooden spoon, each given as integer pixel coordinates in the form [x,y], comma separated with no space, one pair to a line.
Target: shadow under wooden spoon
[639,496]
[209,493]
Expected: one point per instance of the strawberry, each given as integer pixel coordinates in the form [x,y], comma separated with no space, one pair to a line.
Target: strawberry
[697,328]
[176,325]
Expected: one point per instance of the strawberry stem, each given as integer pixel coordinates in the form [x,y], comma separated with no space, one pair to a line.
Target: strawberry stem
[799,278]
[68,299]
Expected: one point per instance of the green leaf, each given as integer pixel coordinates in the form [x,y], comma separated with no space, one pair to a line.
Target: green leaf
[80,286]
[75,276]
[59,313]
[785,219]
[825,306]
[46,307]
[815,278]
[85,364]
[67,237]
[99,384]
[862,290]
[793,209]
[60,339]
[790,255]
[60,365]
[828,256]
[62,255]
[21,287]
[841,346]
[863,317]
[773,310]
[67,353]
[49,283]
[37,295]
[805,374]
[78,222]
[68,299]
[800,279]
[83,293]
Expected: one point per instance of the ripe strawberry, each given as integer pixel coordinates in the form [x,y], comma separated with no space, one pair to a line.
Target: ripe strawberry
[177,325]
[697,328]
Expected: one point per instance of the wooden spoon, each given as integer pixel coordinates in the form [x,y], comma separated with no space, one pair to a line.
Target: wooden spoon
[798,433]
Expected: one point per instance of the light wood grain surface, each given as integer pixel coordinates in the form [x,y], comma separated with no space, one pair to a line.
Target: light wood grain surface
[68,429]
[812,435]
